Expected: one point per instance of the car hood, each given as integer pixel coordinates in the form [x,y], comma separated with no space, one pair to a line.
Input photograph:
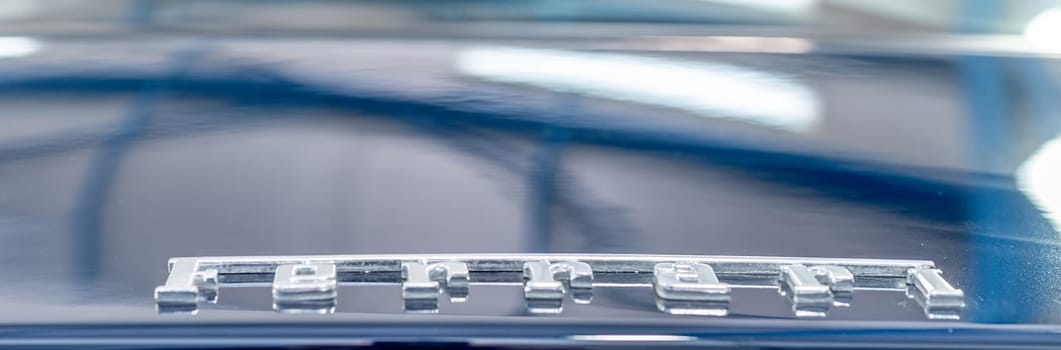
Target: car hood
[125,151]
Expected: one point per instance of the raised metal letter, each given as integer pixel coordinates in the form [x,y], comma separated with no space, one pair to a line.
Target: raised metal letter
[841,282]
[544,288]
[186,286]
[305,288]
[936,296]
[813,290]
[809,297]
[690,289]
[422,283]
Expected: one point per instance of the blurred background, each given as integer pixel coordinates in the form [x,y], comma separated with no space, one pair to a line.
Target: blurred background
[136,131]
[824,17]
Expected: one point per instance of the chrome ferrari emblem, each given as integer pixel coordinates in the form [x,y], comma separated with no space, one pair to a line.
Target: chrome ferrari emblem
[683,284]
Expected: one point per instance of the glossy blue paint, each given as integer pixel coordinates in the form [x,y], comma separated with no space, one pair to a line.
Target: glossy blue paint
[210,158]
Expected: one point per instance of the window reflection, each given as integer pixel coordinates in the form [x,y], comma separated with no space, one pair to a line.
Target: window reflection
[1040,178]
[703,88]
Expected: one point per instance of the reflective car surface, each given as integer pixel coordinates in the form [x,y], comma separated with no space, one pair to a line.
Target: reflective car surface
[132,132]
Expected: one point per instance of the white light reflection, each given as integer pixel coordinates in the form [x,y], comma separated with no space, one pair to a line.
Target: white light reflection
[633,338]
[1040,178]
[712,43]
[703,88]
[16,46]
[793,7]
[1045,30]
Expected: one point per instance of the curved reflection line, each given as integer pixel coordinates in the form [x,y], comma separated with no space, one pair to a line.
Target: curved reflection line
[92,197]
